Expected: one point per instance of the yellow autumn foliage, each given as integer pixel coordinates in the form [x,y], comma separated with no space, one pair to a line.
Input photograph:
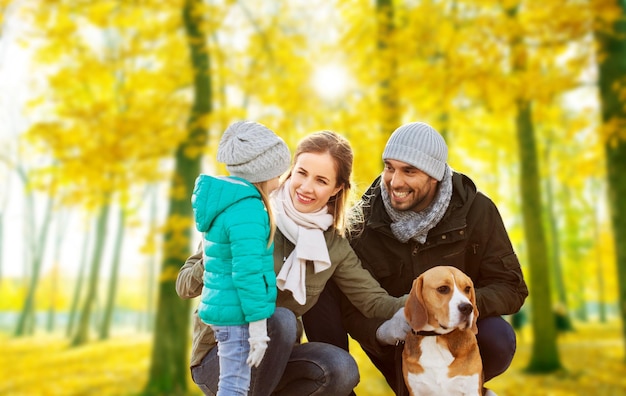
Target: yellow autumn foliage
[110,99]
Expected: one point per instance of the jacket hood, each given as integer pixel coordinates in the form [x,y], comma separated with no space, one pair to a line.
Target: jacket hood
[463,194]
[214,194]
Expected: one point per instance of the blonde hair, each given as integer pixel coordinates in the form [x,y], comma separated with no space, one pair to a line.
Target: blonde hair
[262,187]
[340,150]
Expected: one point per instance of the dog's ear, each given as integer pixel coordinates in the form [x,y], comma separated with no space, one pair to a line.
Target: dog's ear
[473,300]
[414,308]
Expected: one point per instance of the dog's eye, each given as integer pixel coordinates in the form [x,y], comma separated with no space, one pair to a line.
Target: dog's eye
[468,289]
[443,289]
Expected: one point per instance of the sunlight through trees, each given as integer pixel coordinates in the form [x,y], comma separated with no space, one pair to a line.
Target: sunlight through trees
[112,108]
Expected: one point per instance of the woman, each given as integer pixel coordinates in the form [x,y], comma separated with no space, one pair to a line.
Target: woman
[309,250]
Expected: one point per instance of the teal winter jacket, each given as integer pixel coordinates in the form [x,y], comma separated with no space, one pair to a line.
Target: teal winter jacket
[239,280]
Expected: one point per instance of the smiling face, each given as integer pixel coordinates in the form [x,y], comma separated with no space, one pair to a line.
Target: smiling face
[313,181]
[409,188]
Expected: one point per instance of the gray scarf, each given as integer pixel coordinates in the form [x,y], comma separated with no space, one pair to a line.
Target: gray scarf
[407,224]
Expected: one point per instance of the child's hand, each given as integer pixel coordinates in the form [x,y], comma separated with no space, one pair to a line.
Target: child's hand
[258,342]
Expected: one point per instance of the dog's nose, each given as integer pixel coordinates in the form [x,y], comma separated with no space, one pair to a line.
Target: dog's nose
[466,308]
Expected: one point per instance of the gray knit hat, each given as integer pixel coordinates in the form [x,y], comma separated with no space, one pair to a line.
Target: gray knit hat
[253,152]
[420,145]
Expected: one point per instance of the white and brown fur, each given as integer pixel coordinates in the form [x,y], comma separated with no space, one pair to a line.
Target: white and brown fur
[441,355]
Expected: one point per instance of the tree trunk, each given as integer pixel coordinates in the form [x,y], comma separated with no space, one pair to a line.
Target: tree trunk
[545,355]
[82,333]
[25,323]
[150,268]
[388,69]
[169,368]
[78,287]
[571,218]
[612,71]
[555,241]
[597,241]
[52,297]
[105,326]
[61,223]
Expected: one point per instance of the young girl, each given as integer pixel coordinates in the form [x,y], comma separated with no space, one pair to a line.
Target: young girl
[309,250]
[236,220]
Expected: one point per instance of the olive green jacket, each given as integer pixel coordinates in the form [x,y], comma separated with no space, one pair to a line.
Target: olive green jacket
[363,291]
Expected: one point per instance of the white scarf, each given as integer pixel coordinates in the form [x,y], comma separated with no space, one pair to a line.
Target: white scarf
[306,232]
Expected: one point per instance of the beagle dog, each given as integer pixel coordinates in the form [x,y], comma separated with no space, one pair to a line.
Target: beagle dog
[441,354]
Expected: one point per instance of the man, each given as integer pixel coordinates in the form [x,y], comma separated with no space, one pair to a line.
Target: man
[418,214]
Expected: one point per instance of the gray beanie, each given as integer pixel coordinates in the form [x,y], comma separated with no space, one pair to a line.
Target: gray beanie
[253,152]
[420,145]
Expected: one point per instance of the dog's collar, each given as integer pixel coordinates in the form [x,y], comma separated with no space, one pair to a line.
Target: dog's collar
[425,333]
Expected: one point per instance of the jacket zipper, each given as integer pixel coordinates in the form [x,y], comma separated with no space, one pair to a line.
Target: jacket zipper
[416,249]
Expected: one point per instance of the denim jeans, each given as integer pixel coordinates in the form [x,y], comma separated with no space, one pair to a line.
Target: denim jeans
[232,350]
[289,368]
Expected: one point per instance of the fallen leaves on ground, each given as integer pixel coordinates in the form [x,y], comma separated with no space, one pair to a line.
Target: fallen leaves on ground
[593,363]
[43,365]
[46,365]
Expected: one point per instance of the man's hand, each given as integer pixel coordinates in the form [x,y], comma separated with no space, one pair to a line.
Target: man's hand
[393,330]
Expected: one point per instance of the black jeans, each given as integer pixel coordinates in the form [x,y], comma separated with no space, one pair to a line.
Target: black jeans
[288,367]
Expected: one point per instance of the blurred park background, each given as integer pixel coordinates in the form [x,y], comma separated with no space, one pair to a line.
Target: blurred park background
[109,109]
